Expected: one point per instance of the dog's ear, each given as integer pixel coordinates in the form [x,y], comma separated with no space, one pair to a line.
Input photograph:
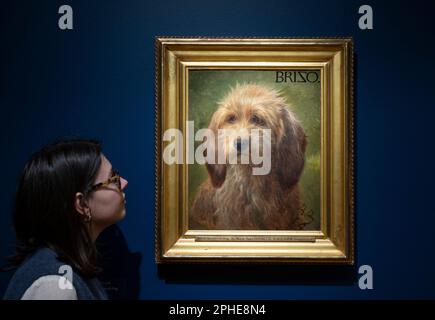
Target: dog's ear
[217,174]
[289,154]
[217,171]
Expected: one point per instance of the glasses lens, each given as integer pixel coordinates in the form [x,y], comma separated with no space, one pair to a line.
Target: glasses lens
[117,179]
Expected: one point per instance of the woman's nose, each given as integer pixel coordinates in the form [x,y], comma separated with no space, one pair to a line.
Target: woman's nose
[124,183]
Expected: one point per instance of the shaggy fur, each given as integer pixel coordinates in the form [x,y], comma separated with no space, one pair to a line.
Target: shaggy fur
[232,198]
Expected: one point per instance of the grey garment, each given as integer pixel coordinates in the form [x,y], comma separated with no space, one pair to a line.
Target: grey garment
[50,288]
[45,262]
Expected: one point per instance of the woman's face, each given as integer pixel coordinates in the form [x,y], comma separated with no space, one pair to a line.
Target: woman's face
[107,204]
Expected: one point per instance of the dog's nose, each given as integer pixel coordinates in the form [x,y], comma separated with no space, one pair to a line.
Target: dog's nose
[240,144]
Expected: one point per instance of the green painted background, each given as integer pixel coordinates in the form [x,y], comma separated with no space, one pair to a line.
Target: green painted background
[207,87]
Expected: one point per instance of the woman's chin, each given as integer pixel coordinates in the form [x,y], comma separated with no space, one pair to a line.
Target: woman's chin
[123,213]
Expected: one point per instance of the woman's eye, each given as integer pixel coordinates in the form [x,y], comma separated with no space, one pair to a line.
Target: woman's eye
[231,119]
[258,121]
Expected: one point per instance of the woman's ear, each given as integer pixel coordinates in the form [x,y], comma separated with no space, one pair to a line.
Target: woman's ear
[289,155]
[80,204]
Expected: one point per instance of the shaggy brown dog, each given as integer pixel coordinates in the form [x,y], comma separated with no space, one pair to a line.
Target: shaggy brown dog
[232,198]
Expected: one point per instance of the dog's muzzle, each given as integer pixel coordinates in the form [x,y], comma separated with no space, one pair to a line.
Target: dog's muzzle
[241,144]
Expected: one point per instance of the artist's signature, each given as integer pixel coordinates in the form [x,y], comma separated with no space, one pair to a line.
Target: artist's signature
[297,77]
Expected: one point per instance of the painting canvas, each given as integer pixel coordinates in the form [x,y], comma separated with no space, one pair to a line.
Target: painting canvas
[288,196]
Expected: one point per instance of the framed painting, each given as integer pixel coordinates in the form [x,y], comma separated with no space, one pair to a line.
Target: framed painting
[254,150]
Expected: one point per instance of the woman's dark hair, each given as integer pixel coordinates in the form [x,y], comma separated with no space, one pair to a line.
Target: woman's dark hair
[44,213]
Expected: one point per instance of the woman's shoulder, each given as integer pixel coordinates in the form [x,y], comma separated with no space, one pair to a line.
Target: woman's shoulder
[44,260]
[42,263]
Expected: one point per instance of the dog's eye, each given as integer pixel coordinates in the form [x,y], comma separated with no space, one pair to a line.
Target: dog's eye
[231,119]
[257,120]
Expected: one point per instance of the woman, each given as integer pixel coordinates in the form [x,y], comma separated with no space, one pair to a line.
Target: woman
[68,194]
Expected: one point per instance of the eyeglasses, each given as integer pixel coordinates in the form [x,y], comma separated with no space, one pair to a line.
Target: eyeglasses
[115,178]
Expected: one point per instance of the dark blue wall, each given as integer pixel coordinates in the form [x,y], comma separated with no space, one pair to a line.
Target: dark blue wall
[98,81]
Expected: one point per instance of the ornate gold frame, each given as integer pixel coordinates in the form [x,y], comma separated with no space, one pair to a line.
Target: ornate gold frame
[334,243]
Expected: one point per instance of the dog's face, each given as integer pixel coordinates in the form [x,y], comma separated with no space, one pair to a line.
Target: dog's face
[249,107]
